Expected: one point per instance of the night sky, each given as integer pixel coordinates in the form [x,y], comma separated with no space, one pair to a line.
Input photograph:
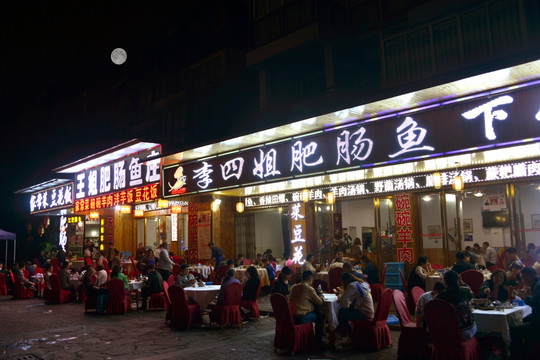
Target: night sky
[52,57]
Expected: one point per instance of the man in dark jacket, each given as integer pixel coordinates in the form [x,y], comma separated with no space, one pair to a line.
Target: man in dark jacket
[154,285]
[281,286]
[462,264]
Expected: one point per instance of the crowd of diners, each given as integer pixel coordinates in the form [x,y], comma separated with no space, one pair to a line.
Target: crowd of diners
[510,279]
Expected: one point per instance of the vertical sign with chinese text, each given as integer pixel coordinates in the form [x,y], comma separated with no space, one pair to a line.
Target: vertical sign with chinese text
[193,233]
[297,218]
[404,227]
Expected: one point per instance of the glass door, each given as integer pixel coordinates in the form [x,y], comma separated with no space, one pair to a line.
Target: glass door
[431,228]
[386,244]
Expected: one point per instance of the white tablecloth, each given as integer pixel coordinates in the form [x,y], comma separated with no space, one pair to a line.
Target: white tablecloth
[332,309]
[203,295]
[240,274]
[432,279]
[203,270]
[134,285]
[497,322]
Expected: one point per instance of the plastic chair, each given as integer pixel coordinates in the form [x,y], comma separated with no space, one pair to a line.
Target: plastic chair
[374,334]
[118,298]
[334,278]
[413,340]
[378,288]
[182,314]
[229,311]
[324,285]
[19,291]
[474,279]
[448,343]
[3,286]
[57,294]
[416,292]
[159,300]
[288,335]
[251,305]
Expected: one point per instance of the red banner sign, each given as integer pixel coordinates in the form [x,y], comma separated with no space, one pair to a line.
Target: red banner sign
[405,251]
[126,197]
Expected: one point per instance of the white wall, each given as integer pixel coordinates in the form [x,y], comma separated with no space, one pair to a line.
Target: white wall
[431,216]
[497,237]
[268,234]
[529,198]
[357,213]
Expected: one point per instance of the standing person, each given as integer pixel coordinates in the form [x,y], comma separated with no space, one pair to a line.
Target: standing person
[282,284]
[217,254]
[423,300]
[536,265]
[459,294]
[530,255]
[490,254]
[357,250]
[154,285]
[462,264]
[356,303]
[165,262]
[419,275]
[369,269]
[306,304]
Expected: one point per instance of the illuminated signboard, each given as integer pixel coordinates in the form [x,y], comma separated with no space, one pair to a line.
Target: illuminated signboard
[438,130]
[297,213]
[126,197]
[59,197]
[129,172]
[404,231]
[155,205]
[414,182]
[62,241]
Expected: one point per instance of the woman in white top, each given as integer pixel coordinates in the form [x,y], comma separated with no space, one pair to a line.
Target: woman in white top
[419,275]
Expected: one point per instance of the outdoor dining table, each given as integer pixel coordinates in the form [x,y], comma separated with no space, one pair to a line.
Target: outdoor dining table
[331,305]
[204,270]
[203,295]
[135,285]
[497,323]
[240,274]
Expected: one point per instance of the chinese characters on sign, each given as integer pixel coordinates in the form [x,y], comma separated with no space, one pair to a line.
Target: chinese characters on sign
[126,197]
[489,114]
[63,234]
[297,212]
[136,170]
[58,197]
[405,251]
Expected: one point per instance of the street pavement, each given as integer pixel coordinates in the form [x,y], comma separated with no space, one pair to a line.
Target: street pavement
[32,330]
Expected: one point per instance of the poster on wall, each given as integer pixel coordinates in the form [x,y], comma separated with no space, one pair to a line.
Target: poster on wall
[204,234]
[495,202]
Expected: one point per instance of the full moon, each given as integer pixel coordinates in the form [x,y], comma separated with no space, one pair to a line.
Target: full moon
[118,56]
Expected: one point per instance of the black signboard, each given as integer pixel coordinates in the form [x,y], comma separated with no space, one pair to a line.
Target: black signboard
[503,119]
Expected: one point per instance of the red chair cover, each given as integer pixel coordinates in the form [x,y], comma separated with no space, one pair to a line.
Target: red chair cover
[134,271]
[175,270]
[87,261]
[252,306]
[3,287]
[324,285]
[413,340]
[437,267]
[106,266]
[274,265]
[170,280]
[374,334]
[416,292]
[334,278]
[118,297]
[221,273]
[406,292]
[55,262]
[26,274]
[377,289]
[288,335]
[182,314]
[474,279]
[229,311]
[247,262]
[57,294]
[19,291]
[448,344]
[158,301]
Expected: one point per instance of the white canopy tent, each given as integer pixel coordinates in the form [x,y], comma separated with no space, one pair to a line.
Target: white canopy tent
[7,236]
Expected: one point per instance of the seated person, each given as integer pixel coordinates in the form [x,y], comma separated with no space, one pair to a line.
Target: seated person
[423,300]
[118,274]
[309,264]
[230,263]
[369,269]
[289,261]
[270,269]
[494,288]
[462,264]
[459,294]
[514,267]
[227,280]
[64,277]
[419,275]
[251,284]
[337,262]
[239,261]
[102,275]
[536,265]
[185,279]
[348,268]
[282,284]
[47,275]
[24,281]
[30,268]
[141,251]
[356,303]
[472,255]
[153,285]
[258,260]
[268,255]
[306,304]
[89,285]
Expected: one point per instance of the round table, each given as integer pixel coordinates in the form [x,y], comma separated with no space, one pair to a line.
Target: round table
[204,270]
[203,295]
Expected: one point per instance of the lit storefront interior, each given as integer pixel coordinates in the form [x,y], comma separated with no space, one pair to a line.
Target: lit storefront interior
[499,175]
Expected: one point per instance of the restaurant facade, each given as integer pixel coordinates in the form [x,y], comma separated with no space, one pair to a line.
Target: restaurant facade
[425,173]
